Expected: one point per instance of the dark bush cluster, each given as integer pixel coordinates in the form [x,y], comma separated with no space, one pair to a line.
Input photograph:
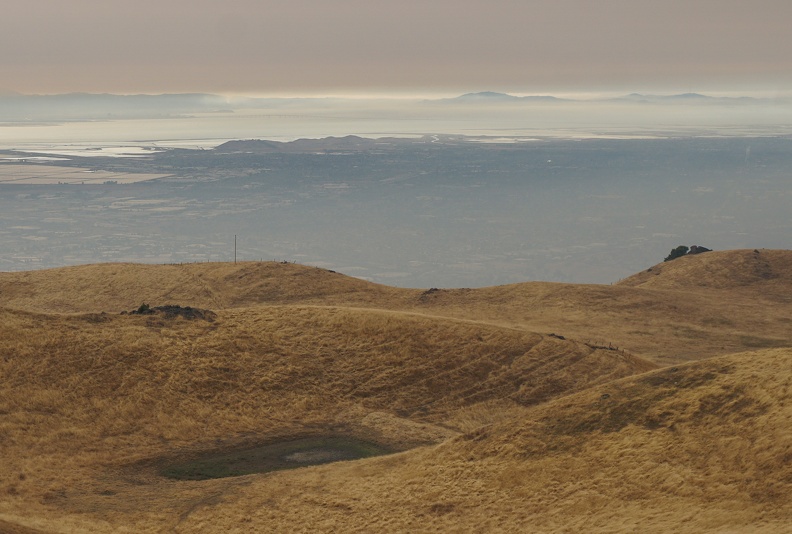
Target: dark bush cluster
[683,250]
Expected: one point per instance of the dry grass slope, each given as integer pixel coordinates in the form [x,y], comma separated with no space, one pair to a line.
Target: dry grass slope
[114,287]
[768,271]
[696,307]
[704,447]
[92,404]
[502,428]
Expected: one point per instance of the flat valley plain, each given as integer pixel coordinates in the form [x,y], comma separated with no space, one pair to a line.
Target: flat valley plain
[434,211]
[661,403]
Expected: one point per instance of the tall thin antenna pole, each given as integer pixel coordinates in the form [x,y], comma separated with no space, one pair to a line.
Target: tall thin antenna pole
[234,248]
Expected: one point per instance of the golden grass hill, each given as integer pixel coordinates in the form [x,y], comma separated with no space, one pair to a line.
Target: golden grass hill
[270,397]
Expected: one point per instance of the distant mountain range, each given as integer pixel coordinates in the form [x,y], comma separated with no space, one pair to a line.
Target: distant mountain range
[692,98]
[491,96]
[346,144]
[683,98]
[16,107]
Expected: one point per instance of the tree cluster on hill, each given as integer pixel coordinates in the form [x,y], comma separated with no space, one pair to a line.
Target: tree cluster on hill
[683,250]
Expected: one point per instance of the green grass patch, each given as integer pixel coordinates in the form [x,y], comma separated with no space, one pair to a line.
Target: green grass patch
[756,342]
[273,457]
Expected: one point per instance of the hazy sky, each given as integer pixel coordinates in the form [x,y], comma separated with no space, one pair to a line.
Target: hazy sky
[357,46]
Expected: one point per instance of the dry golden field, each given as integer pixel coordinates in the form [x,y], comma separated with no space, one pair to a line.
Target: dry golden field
[660,404]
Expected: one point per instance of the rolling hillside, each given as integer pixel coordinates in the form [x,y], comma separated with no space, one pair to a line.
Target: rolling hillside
[766,272]
[88,396]
[686,309]
[704,447]
[504,409]
[114,287]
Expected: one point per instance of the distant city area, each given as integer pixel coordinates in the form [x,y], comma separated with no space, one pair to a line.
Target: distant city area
[426,211]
